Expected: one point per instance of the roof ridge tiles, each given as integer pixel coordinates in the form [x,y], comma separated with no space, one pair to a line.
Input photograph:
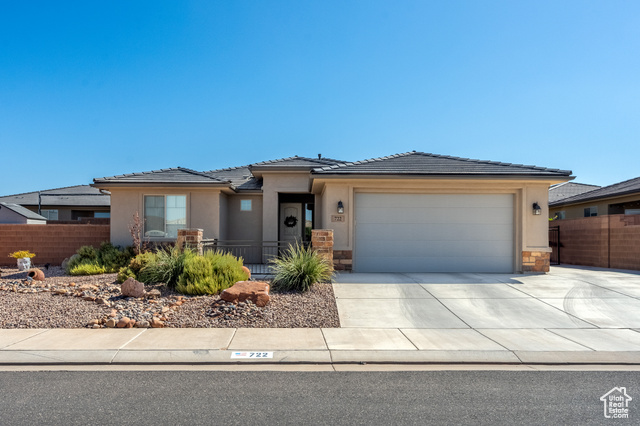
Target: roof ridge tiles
[342,166]
[150,172]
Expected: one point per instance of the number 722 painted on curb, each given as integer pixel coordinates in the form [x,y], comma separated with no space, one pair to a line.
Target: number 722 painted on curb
[251,355]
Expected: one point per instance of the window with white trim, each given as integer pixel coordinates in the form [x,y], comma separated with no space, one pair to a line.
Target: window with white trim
[164,215]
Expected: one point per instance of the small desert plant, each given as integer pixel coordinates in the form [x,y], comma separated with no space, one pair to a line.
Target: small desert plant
[165,268]
[210,274]
[87,253]
[21,254]
[112,258]
[299,268]
[135,228]
[87,269]
[124,273]
[141,260]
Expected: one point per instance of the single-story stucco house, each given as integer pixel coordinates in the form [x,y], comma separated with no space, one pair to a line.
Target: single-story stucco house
[411,212]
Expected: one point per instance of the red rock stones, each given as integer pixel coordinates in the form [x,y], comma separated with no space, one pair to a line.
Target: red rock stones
[132,288]
[256,291]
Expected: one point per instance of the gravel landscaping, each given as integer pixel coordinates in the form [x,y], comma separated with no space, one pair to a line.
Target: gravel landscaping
[62,301]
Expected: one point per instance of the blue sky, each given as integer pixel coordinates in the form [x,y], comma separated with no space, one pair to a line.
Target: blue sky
[99,88]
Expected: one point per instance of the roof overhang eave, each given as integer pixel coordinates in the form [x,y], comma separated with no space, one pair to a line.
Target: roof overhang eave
[562,203]
[107,184]
[345,175]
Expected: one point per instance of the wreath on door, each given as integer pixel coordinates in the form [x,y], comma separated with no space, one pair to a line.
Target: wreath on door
[290,221]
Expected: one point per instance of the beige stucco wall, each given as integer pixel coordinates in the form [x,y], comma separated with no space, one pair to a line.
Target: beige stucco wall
[203,210]
[244,225]
[531,231]
[576,211]
[274,183]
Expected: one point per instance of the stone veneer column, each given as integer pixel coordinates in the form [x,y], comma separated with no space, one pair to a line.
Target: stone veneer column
[535,261]
[322,242]
[190,238]
[343,260]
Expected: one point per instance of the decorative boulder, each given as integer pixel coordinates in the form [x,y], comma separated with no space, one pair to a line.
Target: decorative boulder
[256,291]
[248,271]
[132,288]
[36,274]
[153,294]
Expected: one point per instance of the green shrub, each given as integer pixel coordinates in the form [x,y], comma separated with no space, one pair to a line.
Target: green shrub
[124,273]
[210,274]
[112,258]
[87,269]
[109,257]
[87,253]
[140,261]
[166,267]
[299,268]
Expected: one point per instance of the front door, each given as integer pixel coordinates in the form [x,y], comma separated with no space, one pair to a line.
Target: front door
[291,222]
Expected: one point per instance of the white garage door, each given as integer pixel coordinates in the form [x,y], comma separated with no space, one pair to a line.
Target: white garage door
[433,233]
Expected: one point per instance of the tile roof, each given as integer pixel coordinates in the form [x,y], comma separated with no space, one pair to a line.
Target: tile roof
[296,161]
[631,186]
[240,177]
[78,195]
[172,175]
[564,190]
[22,211]
[420,163]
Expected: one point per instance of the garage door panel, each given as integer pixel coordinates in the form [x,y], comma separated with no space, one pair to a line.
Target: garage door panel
[444,200]
[434,233]
[435,264]
[435,215]
[421,249]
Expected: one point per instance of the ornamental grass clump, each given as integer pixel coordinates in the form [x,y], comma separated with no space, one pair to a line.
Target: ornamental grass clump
[210,274]
[132,270]
[299,268]
[166,267]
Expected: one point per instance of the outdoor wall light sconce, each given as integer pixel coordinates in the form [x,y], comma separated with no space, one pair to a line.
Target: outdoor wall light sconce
[340,207]
[536,208]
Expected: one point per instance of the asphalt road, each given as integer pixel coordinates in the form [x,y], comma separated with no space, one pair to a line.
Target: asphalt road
[389,398]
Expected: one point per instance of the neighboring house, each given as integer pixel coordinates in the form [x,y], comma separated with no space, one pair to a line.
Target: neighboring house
[564,190]
[619,198]
[65,204]
[411,212]
[15,214]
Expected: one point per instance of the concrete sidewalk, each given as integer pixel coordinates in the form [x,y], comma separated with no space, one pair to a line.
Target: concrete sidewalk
[570,316]
[318,346]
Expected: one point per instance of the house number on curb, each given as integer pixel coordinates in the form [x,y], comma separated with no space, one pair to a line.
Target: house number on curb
[251,355]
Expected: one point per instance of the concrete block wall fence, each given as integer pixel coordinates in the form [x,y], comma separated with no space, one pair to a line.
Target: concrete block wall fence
[611,241]
[51,243]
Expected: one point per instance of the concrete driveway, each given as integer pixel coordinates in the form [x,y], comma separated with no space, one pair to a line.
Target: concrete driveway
[569,309]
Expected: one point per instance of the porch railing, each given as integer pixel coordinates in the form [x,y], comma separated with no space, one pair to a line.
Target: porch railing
[256,255]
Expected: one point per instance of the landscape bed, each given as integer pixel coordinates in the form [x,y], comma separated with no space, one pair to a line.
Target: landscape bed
[63,301]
